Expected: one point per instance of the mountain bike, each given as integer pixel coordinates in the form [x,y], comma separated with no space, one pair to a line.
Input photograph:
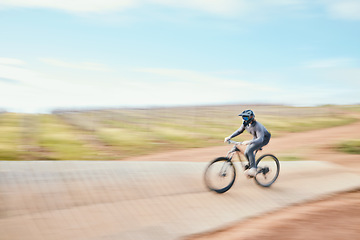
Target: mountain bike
[221,173]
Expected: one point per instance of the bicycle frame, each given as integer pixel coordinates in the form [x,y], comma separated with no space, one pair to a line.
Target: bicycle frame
[238,152]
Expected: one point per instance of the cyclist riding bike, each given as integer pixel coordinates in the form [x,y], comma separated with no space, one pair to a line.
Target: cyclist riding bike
[261,137]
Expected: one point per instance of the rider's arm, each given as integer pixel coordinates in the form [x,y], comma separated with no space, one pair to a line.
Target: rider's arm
[238,132]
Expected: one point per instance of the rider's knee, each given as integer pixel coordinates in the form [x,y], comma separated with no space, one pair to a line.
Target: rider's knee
[247,151]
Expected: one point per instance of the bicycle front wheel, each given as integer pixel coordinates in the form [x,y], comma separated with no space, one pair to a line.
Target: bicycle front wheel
[220,175]
[268,170]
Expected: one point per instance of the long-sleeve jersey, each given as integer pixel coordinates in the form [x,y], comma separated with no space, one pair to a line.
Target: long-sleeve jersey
[256,129]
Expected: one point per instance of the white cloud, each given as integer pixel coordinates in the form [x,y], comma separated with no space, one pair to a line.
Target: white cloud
[11,61]
[95,6]
[99,6]
[254,9]
[33,79]
[36,90]
[343,9]
[92,66]
[18,73]
[223,7]
[205,79]
[343,71]
[346,76]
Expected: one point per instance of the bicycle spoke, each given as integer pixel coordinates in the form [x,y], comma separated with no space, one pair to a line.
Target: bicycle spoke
[220,175]
[269,170]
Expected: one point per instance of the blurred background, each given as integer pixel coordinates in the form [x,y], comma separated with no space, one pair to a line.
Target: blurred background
[110,79]
[115,134]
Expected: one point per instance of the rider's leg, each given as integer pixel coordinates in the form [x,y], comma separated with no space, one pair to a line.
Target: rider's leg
[250,149]
[249,153]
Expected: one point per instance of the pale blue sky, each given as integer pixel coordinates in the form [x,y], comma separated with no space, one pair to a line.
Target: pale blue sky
[106,53]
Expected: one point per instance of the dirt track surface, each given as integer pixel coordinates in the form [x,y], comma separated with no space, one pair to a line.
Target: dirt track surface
[312,145]
[105,199]
[336,217]
[97,200]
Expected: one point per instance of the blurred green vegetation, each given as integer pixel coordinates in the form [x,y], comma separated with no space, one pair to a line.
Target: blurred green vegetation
[295,124]
[121,133]
[350,146]
[61,141]
[353,108]
[10,136]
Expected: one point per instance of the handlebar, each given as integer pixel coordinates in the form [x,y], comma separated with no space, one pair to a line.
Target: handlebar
[234,142]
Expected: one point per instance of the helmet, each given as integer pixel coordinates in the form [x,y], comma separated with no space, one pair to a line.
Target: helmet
[248,116]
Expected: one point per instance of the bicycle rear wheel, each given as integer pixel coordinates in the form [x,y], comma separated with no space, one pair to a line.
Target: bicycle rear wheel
[268,170]
[220,175]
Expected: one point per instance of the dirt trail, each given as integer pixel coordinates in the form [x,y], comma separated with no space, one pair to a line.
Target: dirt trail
[332,218]
[336,217]
[319,145]
[311,145]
